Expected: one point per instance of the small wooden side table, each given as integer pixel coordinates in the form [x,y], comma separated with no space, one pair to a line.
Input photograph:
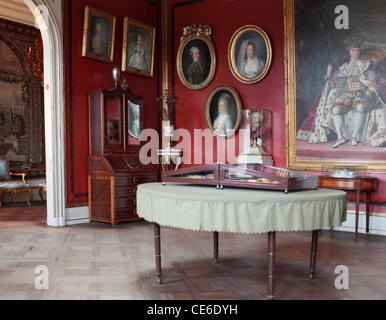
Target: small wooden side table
[356,184]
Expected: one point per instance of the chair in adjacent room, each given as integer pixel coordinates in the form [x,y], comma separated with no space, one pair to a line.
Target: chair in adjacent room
[8,184]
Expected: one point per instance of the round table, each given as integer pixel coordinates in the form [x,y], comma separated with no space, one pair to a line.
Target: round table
[205,208]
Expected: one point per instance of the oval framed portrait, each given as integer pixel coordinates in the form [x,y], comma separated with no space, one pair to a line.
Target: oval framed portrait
[250,54]
[196,60]
[223,111]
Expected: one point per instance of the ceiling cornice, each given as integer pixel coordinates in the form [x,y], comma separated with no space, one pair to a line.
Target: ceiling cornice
[17,11]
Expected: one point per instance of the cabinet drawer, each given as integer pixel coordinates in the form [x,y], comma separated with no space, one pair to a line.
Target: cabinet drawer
[134,179]
[125,191]
[124,202]
[126,213]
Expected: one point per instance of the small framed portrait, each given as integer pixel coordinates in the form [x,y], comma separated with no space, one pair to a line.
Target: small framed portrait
[250,54]
[223,111]
[98,35]
[196,59]
[138,47]
[134,120]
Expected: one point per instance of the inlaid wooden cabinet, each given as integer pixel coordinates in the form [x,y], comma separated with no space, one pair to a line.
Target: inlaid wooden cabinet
[114,167]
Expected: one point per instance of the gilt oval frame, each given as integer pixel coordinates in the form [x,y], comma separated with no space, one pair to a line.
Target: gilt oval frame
[203,42]
[259,36]
[211,104]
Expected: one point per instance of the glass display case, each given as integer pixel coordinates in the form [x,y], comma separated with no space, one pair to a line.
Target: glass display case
[256,130]
[242,175]
[344,171]
[121,120]
[113,122]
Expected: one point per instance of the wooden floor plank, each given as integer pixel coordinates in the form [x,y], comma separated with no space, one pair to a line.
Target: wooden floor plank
[98,261]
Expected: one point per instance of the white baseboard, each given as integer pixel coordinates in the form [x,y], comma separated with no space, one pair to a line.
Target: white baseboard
[77,215]
[377,224]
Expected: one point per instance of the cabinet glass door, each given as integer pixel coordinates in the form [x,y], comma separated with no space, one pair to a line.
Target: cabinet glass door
[113,123]
[134,122]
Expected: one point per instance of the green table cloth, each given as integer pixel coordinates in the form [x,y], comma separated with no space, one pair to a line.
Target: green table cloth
[205,208]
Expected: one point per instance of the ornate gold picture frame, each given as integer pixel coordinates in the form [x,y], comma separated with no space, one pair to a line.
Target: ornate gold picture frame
[223,111]
[250,54]
[336,113]
[98,35]
[196,58]
[138,48]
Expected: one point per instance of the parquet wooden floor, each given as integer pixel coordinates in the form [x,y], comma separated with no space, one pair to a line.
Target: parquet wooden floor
[98,261]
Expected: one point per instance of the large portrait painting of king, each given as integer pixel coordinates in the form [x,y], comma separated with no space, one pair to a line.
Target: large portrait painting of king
[336,83]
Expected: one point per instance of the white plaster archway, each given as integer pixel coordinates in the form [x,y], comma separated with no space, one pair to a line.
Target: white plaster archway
[48,17]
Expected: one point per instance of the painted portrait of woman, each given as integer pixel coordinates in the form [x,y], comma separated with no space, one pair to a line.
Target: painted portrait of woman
[249,54]
[223,111]
[138,47]
[98,35]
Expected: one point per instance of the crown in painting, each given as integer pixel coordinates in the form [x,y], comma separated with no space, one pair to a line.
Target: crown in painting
[353,42]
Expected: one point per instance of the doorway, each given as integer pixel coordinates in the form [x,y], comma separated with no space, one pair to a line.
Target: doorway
[48,19]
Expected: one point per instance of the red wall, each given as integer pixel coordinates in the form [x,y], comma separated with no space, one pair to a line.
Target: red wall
[84,74]
[224,18]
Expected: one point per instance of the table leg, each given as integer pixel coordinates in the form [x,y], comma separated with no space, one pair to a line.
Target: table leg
[215,245]
[271,264]
[29,197]
[157,240]
[40,193]
[314,246]
[368,201]
[357,199]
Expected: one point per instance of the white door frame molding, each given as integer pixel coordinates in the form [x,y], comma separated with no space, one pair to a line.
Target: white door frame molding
[48,18]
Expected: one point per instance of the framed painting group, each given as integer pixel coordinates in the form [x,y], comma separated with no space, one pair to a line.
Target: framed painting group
[249,58]
[138,41]
[336,84]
